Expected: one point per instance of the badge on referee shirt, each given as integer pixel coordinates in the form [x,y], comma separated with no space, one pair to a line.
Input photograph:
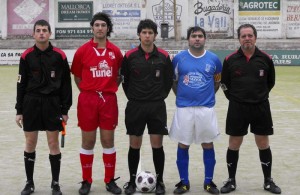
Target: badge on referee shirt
[19,78]
[157,74]
[52,74]
[261,73]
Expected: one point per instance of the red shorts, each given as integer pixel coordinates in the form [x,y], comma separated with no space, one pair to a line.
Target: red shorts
[97,110]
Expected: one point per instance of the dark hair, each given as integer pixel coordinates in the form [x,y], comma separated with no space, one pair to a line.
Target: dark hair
[42,23]
[147,23]
[195,29]
[104,17]
[246,26]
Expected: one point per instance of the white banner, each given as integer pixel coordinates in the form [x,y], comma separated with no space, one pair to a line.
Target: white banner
[265,15]
[125,14]
[293,19]
[216,17]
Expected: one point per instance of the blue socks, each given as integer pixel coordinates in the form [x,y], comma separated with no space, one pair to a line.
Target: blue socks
[183,164]
[209,164]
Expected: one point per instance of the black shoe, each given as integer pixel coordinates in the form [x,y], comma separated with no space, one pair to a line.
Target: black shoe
[211,188]
[130,188]
[112,187]
[160,188]
[181,188]
[85,188]
[229,186]
[55,188]
[270,186]
[28,189]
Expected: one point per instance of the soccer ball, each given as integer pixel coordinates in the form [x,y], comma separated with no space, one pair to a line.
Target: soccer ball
[145,181]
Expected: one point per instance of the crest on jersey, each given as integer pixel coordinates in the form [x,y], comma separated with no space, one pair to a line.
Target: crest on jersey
[52,74]
[207,67]
[261,73]
[111,55]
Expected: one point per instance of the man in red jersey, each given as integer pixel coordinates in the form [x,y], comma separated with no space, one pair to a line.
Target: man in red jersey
[44,97]
[96,67]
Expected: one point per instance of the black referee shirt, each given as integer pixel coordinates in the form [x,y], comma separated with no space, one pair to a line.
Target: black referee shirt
[147,76]
[248,80]
[44,73]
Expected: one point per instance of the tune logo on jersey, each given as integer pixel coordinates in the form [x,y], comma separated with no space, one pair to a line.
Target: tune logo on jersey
[102,70]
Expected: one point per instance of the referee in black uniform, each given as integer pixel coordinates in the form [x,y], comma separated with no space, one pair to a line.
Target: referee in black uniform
[148,78]
[44,96]
[248,76]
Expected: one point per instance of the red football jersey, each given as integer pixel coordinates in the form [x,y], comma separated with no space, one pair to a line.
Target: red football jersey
[97,68]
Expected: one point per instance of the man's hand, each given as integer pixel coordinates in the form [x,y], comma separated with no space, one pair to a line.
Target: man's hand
[19,120]
[65,118]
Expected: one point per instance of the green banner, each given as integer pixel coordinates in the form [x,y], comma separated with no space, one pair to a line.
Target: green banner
[259,5]
[280,57]
[75,11]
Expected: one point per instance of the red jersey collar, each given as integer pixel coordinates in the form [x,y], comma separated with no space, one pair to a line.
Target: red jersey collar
[108,44]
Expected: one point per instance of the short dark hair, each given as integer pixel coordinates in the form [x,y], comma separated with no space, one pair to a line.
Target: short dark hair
[147,23]
[195,29]
[104,17]
[42,23]
[246,26]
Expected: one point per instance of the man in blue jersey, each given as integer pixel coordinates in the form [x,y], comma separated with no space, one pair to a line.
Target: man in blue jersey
[197,76]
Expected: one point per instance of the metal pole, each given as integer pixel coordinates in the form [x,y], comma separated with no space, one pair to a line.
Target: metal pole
[175,23]
[163,13]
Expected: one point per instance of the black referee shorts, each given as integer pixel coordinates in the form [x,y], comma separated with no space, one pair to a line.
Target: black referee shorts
[42,113]
[241,115]
[140,114]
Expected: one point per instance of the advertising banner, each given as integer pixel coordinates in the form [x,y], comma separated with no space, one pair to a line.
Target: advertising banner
[73,19]
[75,11]
[163,14]
[0,27]
[280,57]
[125,14]
[215,16]
[293,19]
[265,15]
[22,14]
[75,33]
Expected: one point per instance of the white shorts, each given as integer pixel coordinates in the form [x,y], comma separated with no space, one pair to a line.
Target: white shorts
[194,125]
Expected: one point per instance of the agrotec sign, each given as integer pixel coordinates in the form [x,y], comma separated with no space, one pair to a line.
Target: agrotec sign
[259,5]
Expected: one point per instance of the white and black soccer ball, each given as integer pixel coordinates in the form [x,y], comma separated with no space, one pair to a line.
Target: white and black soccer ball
[145,181]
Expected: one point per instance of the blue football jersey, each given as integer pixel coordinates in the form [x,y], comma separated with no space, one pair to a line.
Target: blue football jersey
[195,76]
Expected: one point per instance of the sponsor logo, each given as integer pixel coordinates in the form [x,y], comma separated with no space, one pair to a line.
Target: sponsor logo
[266,164]
[194,80]
[102,70]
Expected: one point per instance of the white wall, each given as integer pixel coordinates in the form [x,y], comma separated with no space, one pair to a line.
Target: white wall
[284,23]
